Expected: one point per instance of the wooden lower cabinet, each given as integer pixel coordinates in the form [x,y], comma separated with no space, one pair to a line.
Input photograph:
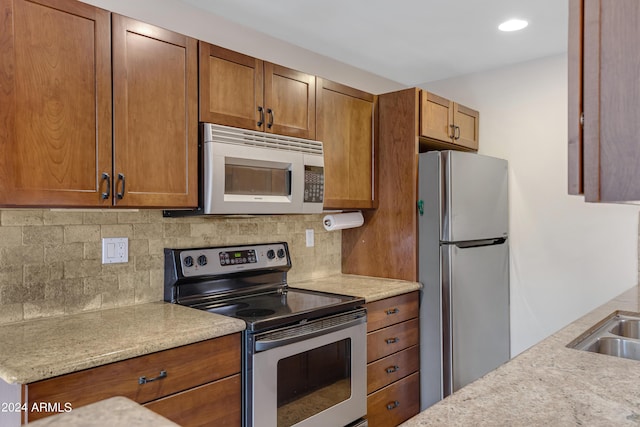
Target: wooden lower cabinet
[214,404]
[393,360]
[395,403]
[197,374]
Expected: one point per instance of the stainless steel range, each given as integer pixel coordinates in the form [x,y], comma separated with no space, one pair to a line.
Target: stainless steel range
[304,352]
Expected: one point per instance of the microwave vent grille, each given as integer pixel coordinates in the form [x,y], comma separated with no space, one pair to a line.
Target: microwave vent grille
[230,135]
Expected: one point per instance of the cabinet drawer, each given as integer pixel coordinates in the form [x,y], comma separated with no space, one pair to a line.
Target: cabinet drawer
[186,367]
[389,340]
[214,404]
[392,368]
[389,311]
[395,403]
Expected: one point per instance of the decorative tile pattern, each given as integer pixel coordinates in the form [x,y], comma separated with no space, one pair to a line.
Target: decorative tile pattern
[50,260]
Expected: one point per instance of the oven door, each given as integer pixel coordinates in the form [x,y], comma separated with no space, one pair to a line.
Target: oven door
[307,379]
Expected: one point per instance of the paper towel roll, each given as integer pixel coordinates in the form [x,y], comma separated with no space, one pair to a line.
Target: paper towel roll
[342,221]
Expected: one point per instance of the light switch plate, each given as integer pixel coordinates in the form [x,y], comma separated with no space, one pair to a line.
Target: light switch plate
[310,240]
[115,250]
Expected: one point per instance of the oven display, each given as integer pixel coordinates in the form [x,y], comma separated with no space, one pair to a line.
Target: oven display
[238,257]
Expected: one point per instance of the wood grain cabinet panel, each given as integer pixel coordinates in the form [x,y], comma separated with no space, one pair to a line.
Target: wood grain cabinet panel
[55,112]
[169,372]
[241,91]
[155,92]
[345,125]
[395,403]
[60,60]
[445,121]
[214,404]
[393,360]
[604,86]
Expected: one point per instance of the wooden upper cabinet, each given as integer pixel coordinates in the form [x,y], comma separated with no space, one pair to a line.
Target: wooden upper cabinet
[241,91]
[155,90]
[55,112]
[445,121]
[231,88]
[609,86]
[345,124]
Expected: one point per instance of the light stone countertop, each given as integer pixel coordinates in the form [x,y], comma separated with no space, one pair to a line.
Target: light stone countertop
[115,411]
[369,288]
[550,385]
[43,348]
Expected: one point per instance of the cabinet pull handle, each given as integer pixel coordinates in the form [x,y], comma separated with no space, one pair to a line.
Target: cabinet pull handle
[393,405]
[120,194]
[456,133]
[261,111]
[392,369]
[392,340]
[106,194]
[393,311]
[144,380]
[452,135]
[271,118]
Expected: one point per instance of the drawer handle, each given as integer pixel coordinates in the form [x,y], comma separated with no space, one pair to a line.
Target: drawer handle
[393,311]
[392,340]
[392,369]
[393,405]
[144,380]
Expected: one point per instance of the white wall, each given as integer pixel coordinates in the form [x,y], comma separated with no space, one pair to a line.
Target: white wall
[567,256]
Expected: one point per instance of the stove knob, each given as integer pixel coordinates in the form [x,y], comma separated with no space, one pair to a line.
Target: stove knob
[271,254]
[188,261]
[202,260]
[280,253]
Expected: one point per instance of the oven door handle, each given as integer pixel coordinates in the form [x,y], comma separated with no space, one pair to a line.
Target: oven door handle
[267,344]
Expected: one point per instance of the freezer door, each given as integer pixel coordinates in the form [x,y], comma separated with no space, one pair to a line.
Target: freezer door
[474,197]
[475,288]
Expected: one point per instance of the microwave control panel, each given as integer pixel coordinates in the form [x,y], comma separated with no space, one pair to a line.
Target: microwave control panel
[313,184]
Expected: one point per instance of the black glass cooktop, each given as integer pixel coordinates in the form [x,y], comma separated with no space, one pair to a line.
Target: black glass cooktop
[278,308]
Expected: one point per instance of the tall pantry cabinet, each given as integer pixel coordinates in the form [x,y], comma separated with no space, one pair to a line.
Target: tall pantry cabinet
[56,142]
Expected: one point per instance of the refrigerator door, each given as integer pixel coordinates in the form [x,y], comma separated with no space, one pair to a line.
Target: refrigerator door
[475,308]
[474,199]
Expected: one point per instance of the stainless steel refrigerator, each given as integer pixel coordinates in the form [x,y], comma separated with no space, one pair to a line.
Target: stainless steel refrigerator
[464,269]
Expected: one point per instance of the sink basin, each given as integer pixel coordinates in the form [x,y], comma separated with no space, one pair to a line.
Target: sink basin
[616,335]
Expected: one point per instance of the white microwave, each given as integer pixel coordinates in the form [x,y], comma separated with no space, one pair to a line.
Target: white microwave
[251,172]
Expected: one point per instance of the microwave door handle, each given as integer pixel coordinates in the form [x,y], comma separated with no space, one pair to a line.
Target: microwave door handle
[268,344]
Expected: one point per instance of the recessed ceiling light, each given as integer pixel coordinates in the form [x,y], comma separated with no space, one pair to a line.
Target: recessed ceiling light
[513,25]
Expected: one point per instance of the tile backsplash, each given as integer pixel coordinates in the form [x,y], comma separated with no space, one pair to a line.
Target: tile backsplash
[50,260]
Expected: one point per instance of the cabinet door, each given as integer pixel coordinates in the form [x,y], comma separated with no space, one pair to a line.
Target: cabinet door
[231,88]
[155,116]
[344,124]
[574,65]
[436,117]
[290,101]
[55,112]
[611,107]
[466,125]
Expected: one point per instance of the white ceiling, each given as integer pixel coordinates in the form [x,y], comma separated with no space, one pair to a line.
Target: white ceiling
[408,41]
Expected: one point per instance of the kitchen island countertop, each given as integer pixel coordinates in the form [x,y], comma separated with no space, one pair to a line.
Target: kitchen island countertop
[43,348]
[369,288]
[115,411]
[550,385]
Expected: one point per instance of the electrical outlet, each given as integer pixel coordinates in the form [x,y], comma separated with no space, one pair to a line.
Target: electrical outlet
[310,242]
[115,250]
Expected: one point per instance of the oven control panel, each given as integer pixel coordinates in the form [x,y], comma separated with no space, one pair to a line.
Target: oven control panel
[223,260]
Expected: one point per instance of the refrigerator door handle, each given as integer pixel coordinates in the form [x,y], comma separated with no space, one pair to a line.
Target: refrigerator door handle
[479,243]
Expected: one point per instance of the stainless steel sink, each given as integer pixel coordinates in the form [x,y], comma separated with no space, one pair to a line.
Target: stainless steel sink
[617,335]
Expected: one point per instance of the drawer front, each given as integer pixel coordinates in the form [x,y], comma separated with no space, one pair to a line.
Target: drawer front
[214,404]
[186,367]
[389,311]
[390,340]
[395,403]
[392,368]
